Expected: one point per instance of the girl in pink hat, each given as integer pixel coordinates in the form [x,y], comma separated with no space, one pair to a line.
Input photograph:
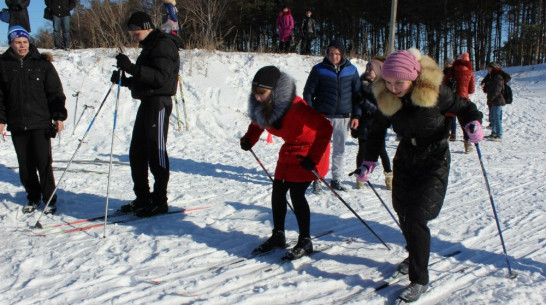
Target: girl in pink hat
[410,97]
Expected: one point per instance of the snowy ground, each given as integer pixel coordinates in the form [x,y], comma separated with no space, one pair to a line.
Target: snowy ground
[168,259]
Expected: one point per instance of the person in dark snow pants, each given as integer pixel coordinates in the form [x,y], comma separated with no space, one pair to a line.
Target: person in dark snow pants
[411,97]
[274,106]
[154,79]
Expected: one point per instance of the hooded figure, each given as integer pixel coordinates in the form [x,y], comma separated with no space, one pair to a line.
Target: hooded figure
[274,106]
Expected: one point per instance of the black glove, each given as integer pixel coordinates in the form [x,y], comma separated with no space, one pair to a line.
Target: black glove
[124,63]
[115,78]
[307,163]
[245,144]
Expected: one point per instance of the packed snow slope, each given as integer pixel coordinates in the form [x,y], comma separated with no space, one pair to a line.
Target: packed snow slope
[183,258]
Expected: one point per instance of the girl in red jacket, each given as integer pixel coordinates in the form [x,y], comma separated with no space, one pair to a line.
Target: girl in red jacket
[274,106]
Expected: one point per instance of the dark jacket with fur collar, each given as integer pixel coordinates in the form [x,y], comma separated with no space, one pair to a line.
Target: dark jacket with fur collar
[421,163]
[305,132]
[31,93]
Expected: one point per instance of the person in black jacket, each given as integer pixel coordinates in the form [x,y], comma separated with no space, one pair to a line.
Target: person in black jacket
[411,98]
[495,99]
[32,105]
[18,13]
[308,32]
[60,12]
[154,79]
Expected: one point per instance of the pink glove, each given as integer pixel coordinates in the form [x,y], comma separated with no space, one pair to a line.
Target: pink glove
[474,131]
[365,169]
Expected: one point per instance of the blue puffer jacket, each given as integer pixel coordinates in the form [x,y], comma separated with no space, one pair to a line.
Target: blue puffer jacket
[334,93]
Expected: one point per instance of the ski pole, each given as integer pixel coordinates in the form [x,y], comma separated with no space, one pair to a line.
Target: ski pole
[77,95]
[349,207]
[38,224]
[183,102]
[81,115]
[111,153]
[357,171]
[268,175]
[511,274]
[177,113]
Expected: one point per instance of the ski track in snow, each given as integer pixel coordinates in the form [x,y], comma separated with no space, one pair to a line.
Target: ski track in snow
[176,258]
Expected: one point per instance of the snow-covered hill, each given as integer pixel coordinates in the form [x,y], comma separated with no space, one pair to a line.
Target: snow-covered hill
[174,259]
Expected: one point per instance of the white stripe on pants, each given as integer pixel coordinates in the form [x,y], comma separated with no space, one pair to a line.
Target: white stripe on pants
[341,129]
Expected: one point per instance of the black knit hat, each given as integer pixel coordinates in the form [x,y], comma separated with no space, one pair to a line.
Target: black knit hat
[140,21]
[338,45]
[266,77]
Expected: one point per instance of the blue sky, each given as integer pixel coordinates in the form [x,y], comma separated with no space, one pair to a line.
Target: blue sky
[35,12]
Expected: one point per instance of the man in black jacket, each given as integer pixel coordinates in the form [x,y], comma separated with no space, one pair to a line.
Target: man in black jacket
[60,12]
[308,32]
[154,79]
[32,105]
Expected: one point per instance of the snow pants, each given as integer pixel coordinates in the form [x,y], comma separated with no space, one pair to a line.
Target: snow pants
[149,148]
[299,202]
[339,136]
[33,149]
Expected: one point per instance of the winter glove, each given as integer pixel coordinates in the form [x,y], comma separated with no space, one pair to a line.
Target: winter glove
[363,171]
[307,163]
[245,144]
[124,63]
[115,78]
[474,131]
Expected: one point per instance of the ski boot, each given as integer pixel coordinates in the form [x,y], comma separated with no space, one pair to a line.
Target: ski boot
[277,240]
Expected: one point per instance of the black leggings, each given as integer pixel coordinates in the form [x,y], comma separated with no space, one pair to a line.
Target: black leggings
[385,161]
[300,205]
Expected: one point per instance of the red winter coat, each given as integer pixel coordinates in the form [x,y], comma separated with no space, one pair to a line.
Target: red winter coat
[462,73]
[305,132]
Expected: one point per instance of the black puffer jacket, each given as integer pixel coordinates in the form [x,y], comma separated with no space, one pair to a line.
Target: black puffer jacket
[158,66]
[31,93]
[18,13]
[421,163]
[60,8]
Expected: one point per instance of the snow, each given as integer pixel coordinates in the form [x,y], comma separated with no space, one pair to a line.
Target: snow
[168,259]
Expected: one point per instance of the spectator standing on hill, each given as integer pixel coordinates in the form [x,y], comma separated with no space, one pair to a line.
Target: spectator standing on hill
[333,89]
[153,82]
[461,79]
[309,32]
[18,13]
[170,18]
[411,98]
[60,12]
[368,108]
[32,104]
[495,98]
[285,25]
[274,106]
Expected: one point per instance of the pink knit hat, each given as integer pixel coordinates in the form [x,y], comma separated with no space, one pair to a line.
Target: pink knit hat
[465,56]
[402,64]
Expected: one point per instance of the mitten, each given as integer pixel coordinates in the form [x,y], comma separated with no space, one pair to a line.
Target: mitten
[125,82]
[365,169]
[245,144]
[307,163]
[124,63]
[474,131]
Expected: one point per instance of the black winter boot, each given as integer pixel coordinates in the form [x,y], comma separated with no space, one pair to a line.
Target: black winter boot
[152,210]
[303,247]
[136,205]
[413,292]
[277,240]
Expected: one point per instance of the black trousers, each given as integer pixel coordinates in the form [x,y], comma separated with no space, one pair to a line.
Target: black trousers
[385,161]
[33,149]
[417,235]
[148,148]
[299,202]
[306,41]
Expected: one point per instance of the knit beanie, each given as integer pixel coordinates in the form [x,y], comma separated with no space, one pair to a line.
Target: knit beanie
[17,31]
[493,65]
[338,45]
[266,77]
[403,65]
[140,21]
[465,56]
[377,64]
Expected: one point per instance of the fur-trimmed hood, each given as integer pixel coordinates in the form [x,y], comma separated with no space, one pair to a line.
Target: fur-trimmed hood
[425,91]
[267,115]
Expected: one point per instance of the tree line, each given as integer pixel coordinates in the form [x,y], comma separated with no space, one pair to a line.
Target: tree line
[511,32]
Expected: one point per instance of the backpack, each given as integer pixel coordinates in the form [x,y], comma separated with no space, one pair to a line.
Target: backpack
[507,94]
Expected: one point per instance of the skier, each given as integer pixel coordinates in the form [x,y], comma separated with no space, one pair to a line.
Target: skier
[154,79]
[411,97]
[32,104]
[274,106]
